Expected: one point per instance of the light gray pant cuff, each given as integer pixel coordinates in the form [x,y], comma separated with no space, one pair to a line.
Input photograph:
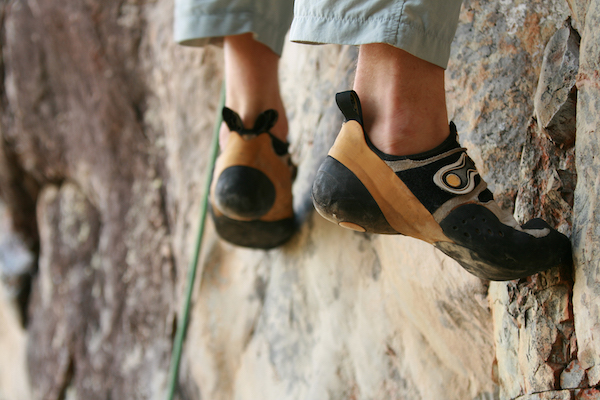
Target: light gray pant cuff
[195,29]
[424,28]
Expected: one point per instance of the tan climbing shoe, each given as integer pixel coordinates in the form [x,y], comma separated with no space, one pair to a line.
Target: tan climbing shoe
[437,196]
[251,190]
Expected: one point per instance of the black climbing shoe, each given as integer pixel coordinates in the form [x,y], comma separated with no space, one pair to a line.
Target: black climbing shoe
[251,190]
[437,196]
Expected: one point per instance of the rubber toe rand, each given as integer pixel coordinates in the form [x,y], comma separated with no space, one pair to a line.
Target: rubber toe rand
[491,250]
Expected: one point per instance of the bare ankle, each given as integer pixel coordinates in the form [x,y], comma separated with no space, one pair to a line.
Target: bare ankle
[403,100]
[402,139]
[252,83]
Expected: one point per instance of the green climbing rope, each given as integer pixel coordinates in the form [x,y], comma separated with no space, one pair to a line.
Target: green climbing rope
[185,312]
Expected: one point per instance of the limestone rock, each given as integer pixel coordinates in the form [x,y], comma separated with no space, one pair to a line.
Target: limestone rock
[68,223]
[578,12]
[548,178]
[573,376]
[491,78]
[593,374]
[14,377]
[74,89]
[491,82]
[550,395]
[17,263]
[533,329]
[556,95]
[587,394]
[586,221]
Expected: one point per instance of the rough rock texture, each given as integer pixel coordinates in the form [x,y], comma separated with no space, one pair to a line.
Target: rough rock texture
[105,124]
[14,379]
[16,265]
[586,212]
[556,95]
[72,127]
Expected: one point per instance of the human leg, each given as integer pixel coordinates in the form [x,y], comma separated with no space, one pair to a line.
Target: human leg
[403,99]
[250,197]
[404,49]
[252,83]
[252,33]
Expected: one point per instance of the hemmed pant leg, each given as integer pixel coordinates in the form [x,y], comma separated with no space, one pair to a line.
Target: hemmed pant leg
[424,28]
[198,22]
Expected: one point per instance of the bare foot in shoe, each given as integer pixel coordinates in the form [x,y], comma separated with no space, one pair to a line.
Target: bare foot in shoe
[252,83]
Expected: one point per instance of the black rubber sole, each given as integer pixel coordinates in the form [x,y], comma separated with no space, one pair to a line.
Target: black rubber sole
[244,192]
[340,197]
[254,234]
[491,250]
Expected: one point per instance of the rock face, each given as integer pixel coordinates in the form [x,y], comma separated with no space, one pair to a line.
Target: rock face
[78,150]
[585,221]
[105,124]
[556,96]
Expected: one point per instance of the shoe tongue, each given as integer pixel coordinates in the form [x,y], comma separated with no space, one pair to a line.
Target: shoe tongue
[450,143]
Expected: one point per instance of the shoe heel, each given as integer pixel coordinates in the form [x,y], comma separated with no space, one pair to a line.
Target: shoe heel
[254,234]
[244,193]
[340,197]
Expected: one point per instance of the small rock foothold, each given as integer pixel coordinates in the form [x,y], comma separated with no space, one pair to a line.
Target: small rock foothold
[573,376]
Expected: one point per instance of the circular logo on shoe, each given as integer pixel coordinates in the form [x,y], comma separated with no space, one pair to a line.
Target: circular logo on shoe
[453,180]
[458,177]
